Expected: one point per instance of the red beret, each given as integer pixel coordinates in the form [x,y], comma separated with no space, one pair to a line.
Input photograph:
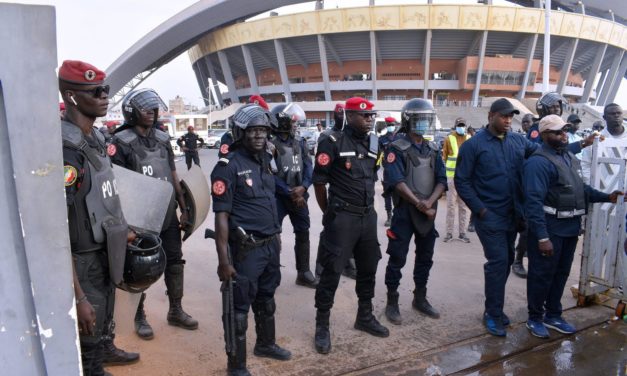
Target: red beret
[61,106]
[359,104]
[81,73]
[258,99]
[190,127]
[390,119]
[339,108]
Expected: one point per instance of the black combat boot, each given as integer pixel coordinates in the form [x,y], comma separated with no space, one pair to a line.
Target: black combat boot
[112,356]
[174,283]
[264,325]
[350,270]
[388,221]
[142,327]
[301,248]
[237,360]
[367,322]
[391,309]
[323,336]
[421,304]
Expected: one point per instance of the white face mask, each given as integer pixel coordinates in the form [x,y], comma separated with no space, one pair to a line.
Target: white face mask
[391,128]
[460,130]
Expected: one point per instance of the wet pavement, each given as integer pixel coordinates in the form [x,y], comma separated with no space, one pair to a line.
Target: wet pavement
[457,343]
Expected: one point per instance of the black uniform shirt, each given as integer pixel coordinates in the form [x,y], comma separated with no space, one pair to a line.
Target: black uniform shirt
[123,155]
[244,187]
[190,141]
[350,177]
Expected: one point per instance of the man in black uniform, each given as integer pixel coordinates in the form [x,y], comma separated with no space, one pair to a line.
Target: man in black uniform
[97,226]
[247,225]
[347,162]
[293,178]
[189,144]
[139,146]
[384,142]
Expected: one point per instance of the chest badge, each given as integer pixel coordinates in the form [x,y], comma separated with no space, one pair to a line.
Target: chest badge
[391,158]
[348,164]
[249,181]
[360,156]
[70,175]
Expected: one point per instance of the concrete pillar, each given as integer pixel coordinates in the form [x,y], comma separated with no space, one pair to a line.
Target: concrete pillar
[475,92]
[619,79]
[280,57]
[568,63]
[214,79]
[611,79]
[600,84]
[530,52]
[202,82]
[373,61]
[252,77]
[594,70]
[426,59]
[228,76]
[324,68]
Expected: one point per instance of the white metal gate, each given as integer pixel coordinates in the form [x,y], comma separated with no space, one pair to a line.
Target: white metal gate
[604,262]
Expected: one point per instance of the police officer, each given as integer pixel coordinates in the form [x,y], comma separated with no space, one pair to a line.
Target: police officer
[97,226]
[139,146]
[450,149]
[338,125]
[347,162]
[414,168]
[556,198]
[247,223]
[384,142]
[549,104]
[189,144]
[293,178]
[227,138]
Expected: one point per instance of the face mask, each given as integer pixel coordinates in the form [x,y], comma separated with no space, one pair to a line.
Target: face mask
[421,127]
[460,130]
[390,128]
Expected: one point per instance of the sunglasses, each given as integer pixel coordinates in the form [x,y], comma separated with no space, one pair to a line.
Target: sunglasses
[558,132]
[97,91]
[366,114]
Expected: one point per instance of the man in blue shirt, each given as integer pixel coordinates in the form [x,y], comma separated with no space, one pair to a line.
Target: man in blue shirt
[556,198]
[488,177]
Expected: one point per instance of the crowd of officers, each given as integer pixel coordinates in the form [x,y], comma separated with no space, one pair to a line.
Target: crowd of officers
[509,182]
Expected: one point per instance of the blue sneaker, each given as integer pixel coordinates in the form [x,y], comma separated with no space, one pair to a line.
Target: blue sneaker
[505,319]
[494,326]
[537,329]
[560,325]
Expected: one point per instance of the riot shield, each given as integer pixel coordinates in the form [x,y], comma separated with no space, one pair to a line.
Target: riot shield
[197,197]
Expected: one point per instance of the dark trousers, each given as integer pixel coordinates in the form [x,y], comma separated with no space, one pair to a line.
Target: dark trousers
[192,155]
[172,243]
[400,234]
[258,274]
[93,275]
[498,248]
[547,276]
[521,247]
[347,235]
[298,216]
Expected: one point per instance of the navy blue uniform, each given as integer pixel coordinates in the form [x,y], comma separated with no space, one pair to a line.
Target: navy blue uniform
[345,162]
[225,143]
[489,176]
[533,134]
[402,229]
[547,275]
[243,186]
[384,142]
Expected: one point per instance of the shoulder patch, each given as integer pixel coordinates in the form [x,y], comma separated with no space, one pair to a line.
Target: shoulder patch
[218,187]
[391,157]
[224,161]
[224,149]
[323,159]
[70,175]
[534,134]
[111,150]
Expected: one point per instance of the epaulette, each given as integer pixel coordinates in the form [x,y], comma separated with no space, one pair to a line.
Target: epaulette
[127,136]
[223,161]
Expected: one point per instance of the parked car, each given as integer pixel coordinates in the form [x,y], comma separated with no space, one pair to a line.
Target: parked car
[213,138]
[175,148]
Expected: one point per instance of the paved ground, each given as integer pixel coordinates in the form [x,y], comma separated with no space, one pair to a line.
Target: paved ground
[456,343]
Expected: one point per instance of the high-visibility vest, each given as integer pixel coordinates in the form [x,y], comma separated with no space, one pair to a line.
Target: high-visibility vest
[451,160]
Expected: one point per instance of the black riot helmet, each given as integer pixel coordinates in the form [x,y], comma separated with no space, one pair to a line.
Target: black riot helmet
[287,116]
[418,117]
[251,115]
[141,100]
[548,100]
[144,264]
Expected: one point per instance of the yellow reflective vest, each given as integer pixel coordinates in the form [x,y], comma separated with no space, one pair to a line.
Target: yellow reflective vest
[451,160]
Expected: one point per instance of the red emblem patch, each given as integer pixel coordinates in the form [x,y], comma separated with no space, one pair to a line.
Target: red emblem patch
[249,182]
[111,150]
[534,134]
[391,158]
[224,149]
[218,188]
[348,164]
[323,159]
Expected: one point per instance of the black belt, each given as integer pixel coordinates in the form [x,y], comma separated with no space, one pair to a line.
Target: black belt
[343,205]
[261,242]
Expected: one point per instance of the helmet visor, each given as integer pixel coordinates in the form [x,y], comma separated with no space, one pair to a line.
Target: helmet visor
[421,123]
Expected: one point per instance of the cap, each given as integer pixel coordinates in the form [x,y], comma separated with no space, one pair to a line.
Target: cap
[459,121]
[359,104]
[390,119]
[503,107]
[258,99]
[551,123]
[339,108]
[81,73]
[573,119]
[190,128]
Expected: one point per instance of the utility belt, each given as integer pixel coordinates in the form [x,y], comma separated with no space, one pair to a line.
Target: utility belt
[244,243]
[564,213]
[354,209]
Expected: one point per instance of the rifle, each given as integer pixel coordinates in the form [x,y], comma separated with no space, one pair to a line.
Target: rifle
[228,310]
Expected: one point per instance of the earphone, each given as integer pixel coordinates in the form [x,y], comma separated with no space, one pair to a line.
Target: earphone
[73,101]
